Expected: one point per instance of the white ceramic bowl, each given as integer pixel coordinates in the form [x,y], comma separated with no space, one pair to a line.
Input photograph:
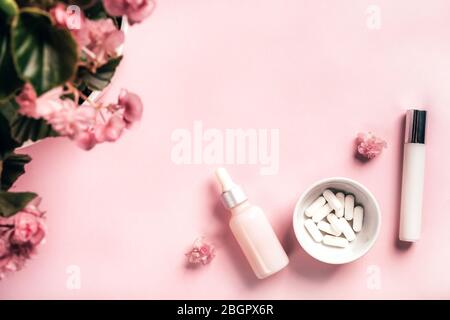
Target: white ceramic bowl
[364,239]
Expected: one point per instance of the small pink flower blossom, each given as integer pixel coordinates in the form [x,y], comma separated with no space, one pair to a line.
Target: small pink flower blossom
[19,237]
[132,105]
[33,207]
[99,38]
[369,145]
[3,247]
[28,228]
[81,123]
[11,263]
[60,15]
[71,120]
[111,131]
[72,20]
[49,102]
[38,107]
[135,10]
[102,39]
[26,100]
[201,252]
[86,140]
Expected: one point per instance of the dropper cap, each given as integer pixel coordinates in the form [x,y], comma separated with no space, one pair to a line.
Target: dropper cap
[232,194]
[415,125]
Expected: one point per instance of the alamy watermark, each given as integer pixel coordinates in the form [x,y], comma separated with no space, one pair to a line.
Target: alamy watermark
[73,281]
[73,21]
[373,277]
[212,146]
[373,20]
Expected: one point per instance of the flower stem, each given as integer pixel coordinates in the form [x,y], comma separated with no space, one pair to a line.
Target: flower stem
[89,53]
[93,56]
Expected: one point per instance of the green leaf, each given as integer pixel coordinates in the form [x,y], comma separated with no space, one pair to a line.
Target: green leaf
[13,168]
[25,128]
[85,4]
[44,55]
[9,108]
[95,11]
[13,202]
[7,142]
[21,128]
[102,77]
[42,4]
[8,9]
[9,78]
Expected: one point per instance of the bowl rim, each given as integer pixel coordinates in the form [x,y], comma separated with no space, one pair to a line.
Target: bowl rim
[296,226]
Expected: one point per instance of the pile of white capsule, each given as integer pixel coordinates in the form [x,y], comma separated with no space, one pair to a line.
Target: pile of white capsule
[336,216]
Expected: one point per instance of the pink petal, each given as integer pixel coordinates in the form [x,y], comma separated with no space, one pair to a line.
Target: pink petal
[114,128]
[140,12]
[132,105]
[86,140]
[27,101]
[115,7]
[135,10]
[369,146]
[113,41]
[201,252]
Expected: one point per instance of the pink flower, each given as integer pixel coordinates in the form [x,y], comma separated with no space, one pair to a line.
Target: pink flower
[33,207]
[4,247]
[111,131]
[369,146]
[64,115]
[59,15]
[86,140]
[135,10]
[26,100]
[71,120]
[19,237]
[72,20]
[132,105]
[11,263]
[38,107]
[202,252]
[98,38]
[49,102]
[102,38]
[29,225]
[28,228]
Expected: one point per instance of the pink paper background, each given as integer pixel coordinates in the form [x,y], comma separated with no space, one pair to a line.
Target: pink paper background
[126,214]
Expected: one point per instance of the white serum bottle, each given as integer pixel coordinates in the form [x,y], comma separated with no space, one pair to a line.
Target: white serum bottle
[413,176]
[252,230]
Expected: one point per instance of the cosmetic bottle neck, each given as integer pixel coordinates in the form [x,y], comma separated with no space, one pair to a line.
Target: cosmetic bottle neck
[240,207]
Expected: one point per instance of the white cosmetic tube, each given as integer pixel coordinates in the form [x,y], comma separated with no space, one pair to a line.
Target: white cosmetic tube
[413,176]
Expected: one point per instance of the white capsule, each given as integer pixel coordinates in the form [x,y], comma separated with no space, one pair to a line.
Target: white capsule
[334,222]
[313,230]
[332,200]
[335,241]
[341,197]
[322,212]
[318,203]
[358,216]
[346,229]
[349,206]
[327,228]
